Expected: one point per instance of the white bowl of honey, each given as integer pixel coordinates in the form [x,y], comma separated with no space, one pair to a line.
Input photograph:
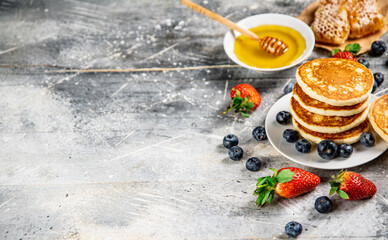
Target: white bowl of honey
[246,52]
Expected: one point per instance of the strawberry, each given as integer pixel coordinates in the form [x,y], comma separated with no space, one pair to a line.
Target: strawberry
[244,99]
[345,55]
[349,53]
[287,182]
[352,186]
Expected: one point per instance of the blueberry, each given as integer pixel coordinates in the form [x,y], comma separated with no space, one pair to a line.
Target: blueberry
[345,150]
[259,133]
[235,153]
[230,140]
[293,229]
[290,135]
[303,146]
[283,117]
[375,85]
[289,87]
[367,139]
[323,204]
[364,62]
[379,78]
[378,48]
[253,164]
[327,149]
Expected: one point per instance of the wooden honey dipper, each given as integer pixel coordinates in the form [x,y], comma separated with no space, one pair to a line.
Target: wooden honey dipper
[269,44]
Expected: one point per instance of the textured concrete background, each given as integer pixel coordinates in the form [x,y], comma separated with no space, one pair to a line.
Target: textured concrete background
[138,155]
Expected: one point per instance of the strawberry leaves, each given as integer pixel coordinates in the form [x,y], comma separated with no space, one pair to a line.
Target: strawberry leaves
[335,185]
[265,187]
[285,176]
[239,104]
[353,48]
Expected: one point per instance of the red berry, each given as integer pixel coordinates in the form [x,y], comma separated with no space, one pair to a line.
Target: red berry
[244,99]
[345,55]
[287,182]
[352,186]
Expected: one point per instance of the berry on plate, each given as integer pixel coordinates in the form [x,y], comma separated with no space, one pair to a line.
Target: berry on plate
[290,135]
[352,186]
[323,204]
[253,164]
[230,140]
[364,62]
[327,149]
[367,139]
[259,133]
[303,146]
[283,117]
[235,153]
[293,229]
[378,48]
[288,182]
[379,78]
[345,150]
[244,99]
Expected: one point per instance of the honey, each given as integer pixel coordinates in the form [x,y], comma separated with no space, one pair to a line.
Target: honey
[249,52]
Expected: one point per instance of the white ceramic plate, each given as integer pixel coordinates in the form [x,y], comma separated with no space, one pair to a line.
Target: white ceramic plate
[275,19]
[275,131]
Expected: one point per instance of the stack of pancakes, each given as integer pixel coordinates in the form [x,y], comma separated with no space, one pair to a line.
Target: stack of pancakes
[331,100]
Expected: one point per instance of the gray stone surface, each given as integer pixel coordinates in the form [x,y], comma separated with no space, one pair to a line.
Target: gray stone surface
[138,155]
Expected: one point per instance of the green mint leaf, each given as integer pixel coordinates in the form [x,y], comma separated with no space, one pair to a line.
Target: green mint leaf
[353,48]
[284,176]
[343,194]
[244,114]
[334,51]
[333,190]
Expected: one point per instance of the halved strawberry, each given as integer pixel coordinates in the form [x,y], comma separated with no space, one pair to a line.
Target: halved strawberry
[287,182]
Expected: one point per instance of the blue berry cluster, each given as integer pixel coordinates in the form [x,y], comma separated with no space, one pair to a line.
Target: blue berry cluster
[235,152]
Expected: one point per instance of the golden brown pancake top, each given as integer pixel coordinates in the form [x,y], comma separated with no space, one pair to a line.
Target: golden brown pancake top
[335,78]
[379,112]
[321,120]
[311,102]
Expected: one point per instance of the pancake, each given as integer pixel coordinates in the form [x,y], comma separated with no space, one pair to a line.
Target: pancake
[378,116]
[349,137]
[325,124]
[318,107]
[335,81]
